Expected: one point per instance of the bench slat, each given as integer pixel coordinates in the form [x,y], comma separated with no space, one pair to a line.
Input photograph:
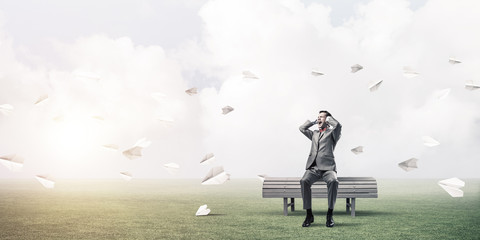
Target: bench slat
[339,195]
[339,179]
[319,186]
[368,190]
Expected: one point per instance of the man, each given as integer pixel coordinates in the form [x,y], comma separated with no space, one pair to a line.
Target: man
[321,163]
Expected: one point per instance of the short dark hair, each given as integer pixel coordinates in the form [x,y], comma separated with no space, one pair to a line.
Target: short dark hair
[326,112]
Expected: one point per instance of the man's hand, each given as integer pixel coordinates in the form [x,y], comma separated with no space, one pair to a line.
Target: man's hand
[328,119]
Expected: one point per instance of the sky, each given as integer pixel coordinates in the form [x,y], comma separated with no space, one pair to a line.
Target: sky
[100,62]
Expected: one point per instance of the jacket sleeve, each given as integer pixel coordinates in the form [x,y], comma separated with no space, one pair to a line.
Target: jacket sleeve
[304,129]
[336,128]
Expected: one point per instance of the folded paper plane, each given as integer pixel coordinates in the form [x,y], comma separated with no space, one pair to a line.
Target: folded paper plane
[13,162]
[452,186]
[357,150]
[470,85]
[227,109]
[111,147]
[216,175]
[409,165]
[209,158]
[429,141]
[247,74]
[202,211]
[86,75]
[409,72]
[58,118]
[126,175]
[442,93]
[143,142]
[99,119]
[42,99]
[356,68]
[317,73]
[453,61]
[375,85]
[167,121]
[133,153]
[158,96]
[191,91]
[6,109]
[46,181]
[262,177]
[172,168]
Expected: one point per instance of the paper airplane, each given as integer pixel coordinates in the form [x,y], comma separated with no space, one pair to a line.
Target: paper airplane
[216,175]
[143,143]
[42,99]
[126,175]
[453,61]
[357,150]
[209,158]
[191,91]
[316,72]
[226,110]
[168,121]
[111,147]
[202,211]
[356,68]
[45,181]
[442,93]
[247,74]
[133,153]
[470,85]
[429,141]
[409,72]
[13,162]
[6,109]
[409,165]
[262,177]
[136,151]
[158,96]
[58,118]
[99,119]
[172,168]
[375,85]
[452,186]
[88,75]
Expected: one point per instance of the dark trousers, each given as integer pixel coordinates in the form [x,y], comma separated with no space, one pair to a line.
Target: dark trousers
[310,177]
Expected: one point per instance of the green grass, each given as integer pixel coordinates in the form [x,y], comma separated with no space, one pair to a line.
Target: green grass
[165,209]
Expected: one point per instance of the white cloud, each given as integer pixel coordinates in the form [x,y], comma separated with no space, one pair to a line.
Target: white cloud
[128,74]
[280,42]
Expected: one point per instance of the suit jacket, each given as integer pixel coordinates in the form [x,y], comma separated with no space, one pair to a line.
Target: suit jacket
[323,144]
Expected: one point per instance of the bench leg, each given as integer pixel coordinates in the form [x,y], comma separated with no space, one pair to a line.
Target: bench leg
[348,205]
[353,207]
[286,205]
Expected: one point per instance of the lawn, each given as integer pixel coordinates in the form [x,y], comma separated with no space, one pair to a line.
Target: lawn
[165,209]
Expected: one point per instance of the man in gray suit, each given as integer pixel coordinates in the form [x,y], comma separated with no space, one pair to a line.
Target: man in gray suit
[321,163]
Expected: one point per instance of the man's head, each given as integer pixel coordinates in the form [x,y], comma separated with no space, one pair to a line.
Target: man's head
[322,118]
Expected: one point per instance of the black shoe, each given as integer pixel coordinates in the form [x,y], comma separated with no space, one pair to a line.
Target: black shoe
[330,222]
[308,221]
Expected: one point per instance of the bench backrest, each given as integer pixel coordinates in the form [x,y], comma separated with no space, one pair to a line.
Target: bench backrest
[348,187]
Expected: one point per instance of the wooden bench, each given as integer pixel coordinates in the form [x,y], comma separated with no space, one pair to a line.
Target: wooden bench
[348,187]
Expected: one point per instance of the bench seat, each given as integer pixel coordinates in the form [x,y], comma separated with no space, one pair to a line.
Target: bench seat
[349,188]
